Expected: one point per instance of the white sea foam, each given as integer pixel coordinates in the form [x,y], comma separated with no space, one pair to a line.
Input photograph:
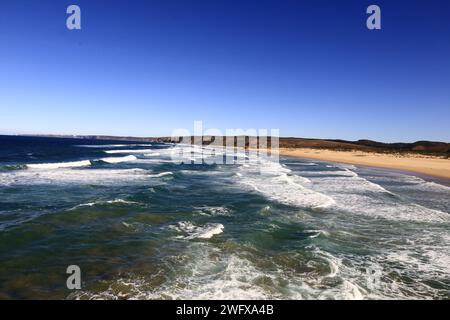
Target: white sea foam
[119,159]
[103,202]
[152,161]
[194,153]
[162,174]
[75,164]
[205,272]
[200,277]
[222,277]
[129,151]
[74,176]
[301,163]
[278,183]
[422,184]
[154,154]
[229,277]
[212,211]
[209,172]
[357,195]
[204,232]
[112,145]
[57,165]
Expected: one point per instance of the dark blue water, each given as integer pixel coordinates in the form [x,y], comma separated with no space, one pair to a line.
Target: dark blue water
[142,226]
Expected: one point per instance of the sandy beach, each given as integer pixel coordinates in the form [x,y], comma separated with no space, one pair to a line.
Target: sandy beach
[428,165]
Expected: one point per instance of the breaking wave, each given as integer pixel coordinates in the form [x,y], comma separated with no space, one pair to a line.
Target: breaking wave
[193,232]
[115,201]
[162,174]
[74,176]
[129,151]
[57,165]
[118,159]
[357,195]
[278,183]
[112,145]
[154,154]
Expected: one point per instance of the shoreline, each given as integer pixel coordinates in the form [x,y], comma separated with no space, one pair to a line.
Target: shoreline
[419,164]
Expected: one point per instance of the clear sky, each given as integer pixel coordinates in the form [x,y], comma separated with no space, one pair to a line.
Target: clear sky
[309,68]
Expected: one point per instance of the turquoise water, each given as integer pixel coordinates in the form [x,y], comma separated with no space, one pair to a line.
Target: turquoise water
[143,227]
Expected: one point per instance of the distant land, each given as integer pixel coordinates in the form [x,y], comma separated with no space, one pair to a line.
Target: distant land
[436,148]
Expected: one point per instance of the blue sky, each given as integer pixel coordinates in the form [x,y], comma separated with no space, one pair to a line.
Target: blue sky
[309,68]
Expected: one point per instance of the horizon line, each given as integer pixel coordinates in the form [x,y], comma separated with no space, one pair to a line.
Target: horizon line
[87,136]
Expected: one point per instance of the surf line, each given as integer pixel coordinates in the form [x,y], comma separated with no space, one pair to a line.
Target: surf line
[186,310]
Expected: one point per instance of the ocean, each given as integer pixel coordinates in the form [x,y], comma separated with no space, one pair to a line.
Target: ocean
[141,226]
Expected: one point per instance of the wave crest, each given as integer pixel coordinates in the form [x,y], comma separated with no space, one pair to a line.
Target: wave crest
[57,165]
[118,159]
[205,232]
